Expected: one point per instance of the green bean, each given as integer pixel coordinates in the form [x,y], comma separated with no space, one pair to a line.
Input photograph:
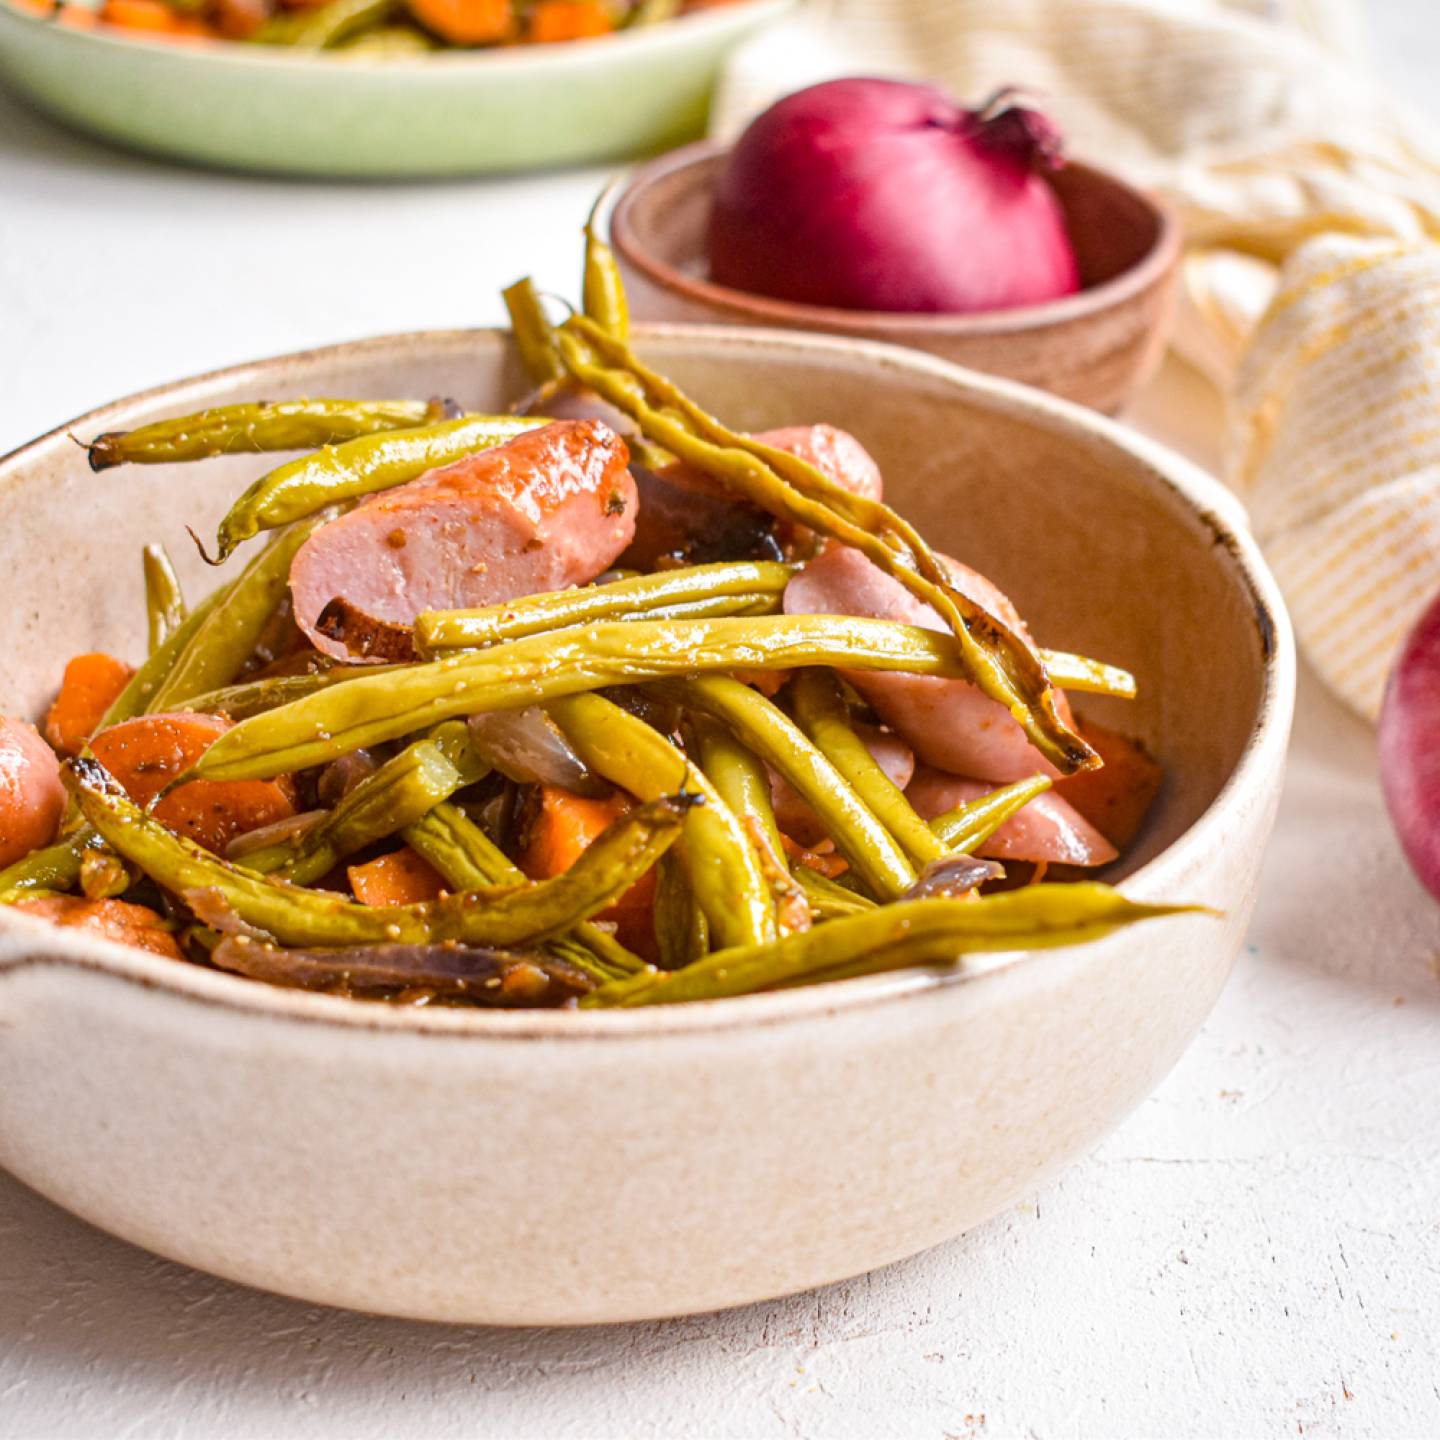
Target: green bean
[724,870]
[388,42]
[322,27]
[1090,677]
[764,728]
[827,900]
[682,934]
[359,467]
[822,714]
[652,12]
[294,916]
[255,697]
[742,782]
[469,859]
[1002,665]
[602,289]
[139,693]
[252,429]
[533,334]
[403,790]
[892,937]
[971,824]
[371,709]
[744,581]
[55,868]
[227,635]
[164,602]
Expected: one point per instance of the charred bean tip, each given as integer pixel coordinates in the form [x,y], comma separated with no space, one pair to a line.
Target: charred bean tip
[101,451]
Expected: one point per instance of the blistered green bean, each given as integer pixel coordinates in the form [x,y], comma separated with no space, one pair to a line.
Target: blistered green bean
[533,334]
[892,937]
[602,289]
[764,728]
[164,601]
[253,428]
[56,868]
[682,933]
[372,709]
[822,714]
[725,871]
[226,637]
[735,582]
[320,27]
[294,916]
[973,823]
[359,467]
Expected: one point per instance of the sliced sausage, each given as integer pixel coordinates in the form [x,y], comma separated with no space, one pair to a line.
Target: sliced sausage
[32,799]
[686,513]
[950,723]
[553,507]
[1047,829]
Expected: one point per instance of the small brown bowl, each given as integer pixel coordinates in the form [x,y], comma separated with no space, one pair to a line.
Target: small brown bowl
[1098,346]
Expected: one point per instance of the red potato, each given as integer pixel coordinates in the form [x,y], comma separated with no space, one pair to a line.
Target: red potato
[949,723]
[116,920]
[145,754]
[552,508]
[1048,829]
[32,799]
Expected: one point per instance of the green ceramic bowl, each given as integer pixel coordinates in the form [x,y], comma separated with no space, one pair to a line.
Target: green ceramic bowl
[451,113]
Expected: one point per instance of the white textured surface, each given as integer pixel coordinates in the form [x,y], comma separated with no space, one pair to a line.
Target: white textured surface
[1256,1252]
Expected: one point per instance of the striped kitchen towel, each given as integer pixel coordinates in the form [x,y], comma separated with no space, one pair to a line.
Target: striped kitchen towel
[1311,285]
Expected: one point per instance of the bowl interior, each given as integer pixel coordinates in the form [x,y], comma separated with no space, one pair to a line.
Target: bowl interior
[1101,553]
[662,225]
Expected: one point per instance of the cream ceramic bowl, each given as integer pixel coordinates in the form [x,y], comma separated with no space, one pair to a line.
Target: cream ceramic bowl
[561,1168]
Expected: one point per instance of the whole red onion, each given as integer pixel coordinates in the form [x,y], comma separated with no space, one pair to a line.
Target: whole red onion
[884,195]
[1410,747]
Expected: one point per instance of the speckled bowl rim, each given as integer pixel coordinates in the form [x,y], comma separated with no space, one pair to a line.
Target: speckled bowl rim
[895,326]
[1209,501]
[568,55]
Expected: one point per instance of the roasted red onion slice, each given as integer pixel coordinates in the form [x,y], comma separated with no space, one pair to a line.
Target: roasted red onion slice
[505,978]
[952,877]
[526,746]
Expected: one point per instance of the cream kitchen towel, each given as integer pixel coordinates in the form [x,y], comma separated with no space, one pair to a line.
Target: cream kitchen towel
[1311,288]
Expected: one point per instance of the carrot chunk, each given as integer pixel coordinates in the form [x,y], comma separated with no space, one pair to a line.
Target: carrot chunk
[553,20]
[467,22]
[1116,798]
[145,754]
[116,920]
[564,827]
[88,689]
[400,878]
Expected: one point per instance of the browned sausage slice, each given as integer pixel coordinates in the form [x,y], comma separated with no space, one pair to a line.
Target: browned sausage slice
[32,799]
[551,508]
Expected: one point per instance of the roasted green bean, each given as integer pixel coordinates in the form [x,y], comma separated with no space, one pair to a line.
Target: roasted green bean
[822,714]
[226,637]
[602,291]
[359,467]
[724,869]
[827,900]
[533,334]
[763,727]
[400,793]
[255,697]
[290,915]
[996,660]
[252,429]
[371,709]
[319,28]
[742,582]
[925,932]
[164,602]
[1091,677]
[139,693]
[971,824]
[682,933]
[56,868]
